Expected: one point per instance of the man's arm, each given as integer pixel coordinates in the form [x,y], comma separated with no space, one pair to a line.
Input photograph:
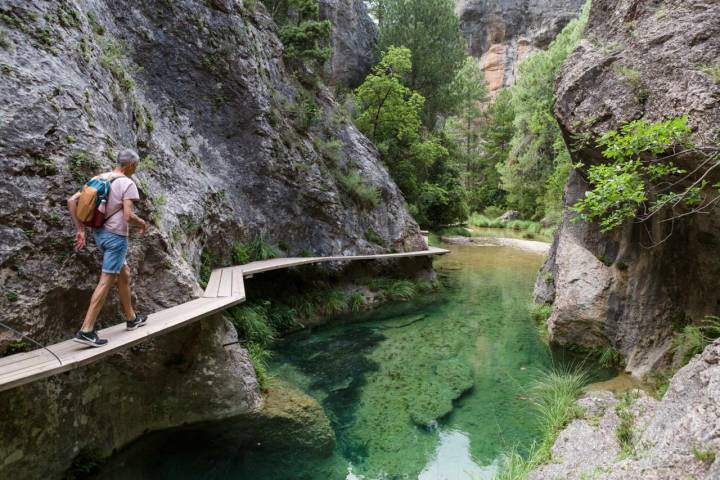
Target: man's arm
[79,227]
[130,217]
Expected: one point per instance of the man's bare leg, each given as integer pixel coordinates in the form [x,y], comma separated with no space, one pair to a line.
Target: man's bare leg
[107,280]
[124,291]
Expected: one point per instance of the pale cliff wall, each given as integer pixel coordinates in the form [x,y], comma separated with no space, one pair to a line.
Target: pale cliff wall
[503,32]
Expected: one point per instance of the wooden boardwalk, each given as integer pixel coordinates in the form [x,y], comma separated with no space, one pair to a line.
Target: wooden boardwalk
[225,288]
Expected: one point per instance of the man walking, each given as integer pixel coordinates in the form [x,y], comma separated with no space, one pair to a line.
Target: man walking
[112,241]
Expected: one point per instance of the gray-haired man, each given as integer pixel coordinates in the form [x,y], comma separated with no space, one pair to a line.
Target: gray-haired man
[112,241]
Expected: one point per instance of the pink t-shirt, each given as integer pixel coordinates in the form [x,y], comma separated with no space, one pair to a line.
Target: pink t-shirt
[121,189]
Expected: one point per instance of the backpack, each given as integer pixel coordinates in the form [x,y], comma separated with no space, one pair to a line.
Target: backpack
[92,203]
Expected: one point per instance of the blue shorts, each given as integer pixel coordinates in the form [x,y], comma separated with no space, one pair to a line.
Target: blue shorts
[114,248]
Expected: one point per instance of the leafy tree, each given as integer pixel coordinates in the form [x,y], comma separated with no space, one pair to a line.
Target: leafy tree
[305,38]
[538,161]
[431,30]
[389,113]
[389,109]
[639,178]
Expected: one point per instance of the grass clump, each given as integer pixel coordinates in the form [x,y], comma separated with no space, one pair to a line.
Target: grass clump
[610,358]
[693,339]
[364,194]
[712,71]
[255,250]
[540,314]
[113,59]
[553,395]
[18,346]
[529,227]
[703,455]
[625,431]
[456,231]
[82,165]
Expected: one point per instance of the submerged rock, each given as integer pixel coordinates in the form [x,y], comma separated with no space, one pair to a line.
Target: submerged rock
[434,400]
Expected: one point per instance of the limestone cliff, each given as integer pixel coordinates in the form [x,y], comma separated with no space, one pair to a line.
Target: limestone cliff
[639,59]
[354,36]
[232,148]
[503,32]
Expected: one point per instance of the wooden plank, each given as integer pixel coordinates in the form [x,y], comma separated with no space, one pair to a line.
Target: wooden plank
[225,288]
[238,284]
[20,356]
[213,284]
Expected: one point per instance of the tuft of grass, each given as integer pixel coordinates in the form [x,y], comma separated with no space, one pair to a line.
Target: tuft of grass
[610,358]
[252,324]
[18,346]
[540,314]
[712,71]
[364,194]
[255,250]
[356,302]
[455,231]
[693,339]
[113,59]
[83,164]
[703,455]
[95,25]
[259,357]
[625,430]
[334,302]
[553,395]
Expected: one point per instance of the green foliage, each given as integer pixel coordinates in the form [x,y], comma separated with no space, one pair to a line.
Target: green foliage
[356,302]
[18,346]
[537,163]
[389,113]
[388,110]
[553,395]
[83,165]
[305,38]
[693,339]
[95,25]
[625,430]
[430,29]
[252,324]
[610,358]
[625,182]
[256,249]
[456,231]
[712,71]
[703,455]
[259,356]
[113,59]
[363,193]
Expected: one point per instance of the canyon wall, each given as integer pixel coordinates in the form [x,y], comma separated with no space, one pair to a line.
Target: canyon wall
[501,33]
[632,288]
[233,147]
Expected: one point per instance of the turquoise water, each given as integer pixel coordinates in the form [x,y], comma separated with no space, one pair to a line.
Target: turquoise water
[393,383]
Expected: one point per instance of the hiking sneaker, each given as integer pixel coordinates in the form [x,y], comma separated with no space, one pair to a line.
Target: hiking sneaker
[90,338]
[139,321]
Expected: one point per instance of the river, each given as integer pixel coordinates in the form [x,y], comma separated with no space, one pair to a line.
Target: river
[392,382]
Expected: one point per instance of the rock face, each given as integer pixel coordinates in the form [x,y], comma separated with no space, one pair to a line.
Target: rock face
[354,36]
[232,148]
[638,60]
[503,32]
[185,376]
[671,439]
